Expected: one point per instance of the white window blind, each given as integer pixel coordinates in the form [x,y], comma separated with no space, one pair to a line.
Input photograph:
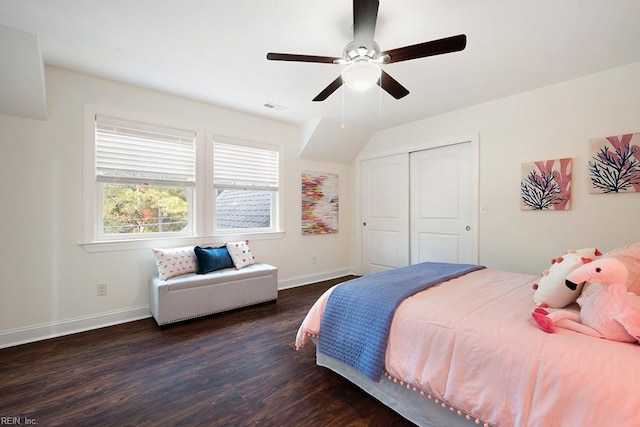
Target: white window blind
[245,165]
[131,152]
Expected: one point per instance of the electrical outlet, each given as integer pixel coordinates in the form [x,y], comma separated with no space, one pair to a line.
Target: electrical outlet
[313,259]
[101,289]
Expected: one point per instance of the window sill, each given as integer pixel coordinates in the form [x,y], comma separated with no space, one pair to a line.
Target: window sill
[164,242]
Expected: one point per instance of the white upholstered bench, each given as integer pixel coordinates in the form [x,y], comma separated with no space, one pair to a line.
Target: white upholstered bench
[194,295]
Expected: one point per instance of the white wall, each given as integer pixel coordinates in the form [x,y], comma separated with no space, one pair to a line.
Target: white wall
[48,280]
[549,123]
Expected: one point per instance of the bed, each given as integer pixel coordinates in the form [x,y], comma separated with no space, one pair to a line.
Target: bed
[466,351]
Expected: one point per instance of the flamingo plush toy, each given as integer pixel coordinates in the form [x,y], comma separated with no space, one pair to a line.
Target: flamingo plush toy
[609,312]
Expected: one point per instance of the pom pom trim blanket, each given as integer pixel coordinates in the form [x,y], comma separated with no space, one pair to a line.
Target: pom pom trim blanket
[357,318]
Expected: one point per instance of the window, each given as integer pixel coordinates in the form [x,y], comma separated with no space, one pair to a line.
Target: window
[150,182]
[145,177]
[245,179]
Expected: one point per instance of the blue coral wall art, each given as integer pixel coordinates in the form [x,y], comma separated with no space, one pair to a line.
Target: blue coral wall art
[614,165]
[546,185]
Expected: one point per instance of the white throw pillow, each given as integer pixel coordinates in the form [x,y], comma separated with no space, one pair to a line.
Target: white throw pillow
[630,256]
[240,254]
[175,262]
[551,290]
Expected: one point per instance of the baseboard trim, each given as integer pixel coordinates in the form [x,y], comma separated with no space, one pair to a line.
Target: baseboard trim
[45,331]
[60,328]
[313,278]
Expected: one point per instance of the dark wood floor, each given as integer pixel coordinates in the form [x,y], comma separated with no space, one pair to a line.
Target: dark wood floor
[233,369]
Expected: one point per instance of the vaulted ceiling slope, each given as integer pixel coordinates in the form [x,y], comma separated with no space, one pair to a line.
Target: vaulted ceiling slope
[22,87]
[215,51]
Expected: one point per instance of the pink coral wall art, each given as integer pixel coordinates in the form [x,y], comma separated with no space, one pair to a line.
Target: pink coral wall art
[546,185]
[614,165]
[319,203]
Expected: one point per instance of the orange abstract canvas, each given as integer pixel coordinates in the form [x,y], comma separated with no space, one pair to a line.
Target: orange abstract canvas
[319,203]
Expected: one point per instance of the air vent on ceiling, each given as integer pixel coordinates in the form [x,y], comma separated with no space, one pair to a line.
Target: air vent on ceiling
[272,106]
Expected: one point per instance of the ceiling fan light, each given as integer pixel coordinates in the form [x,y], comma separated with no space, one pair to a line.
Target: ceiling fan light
[361,75]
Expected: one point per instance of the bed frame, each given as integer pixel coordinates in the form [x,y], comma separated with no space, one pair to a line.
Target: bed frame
[418,408]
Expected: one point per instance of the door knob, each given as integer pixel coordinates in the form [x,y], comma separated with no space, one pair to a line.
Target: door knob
[364,224]
[468,228]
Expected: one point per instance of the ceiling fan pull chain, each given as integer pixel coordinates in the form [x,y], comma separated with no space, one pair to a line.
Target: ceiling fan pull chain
[380,99]
[342,105]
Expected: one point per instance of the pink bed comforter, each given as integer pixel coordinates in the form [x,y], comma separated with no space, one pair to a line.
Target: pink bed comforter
[471,343]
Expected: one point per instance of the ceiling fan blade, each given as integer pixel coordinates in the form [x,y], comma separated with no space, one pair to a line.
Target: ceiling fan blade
[392,86]
[333,86]
[365,15]
[300,58]
[430,48]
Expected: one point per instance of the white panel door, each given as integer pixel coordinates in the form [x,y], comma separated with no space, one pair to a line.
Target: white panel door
[385,213]
[443,215]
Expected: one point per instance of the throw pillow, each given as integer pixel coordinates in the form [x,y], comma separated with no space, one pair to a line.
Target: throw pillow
[175,262]
[240,254]
[212,259]
[630,256]
[551,291]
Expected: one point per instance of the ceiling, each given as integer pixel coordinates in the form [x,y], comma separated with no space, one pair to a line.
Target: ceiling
[215,51]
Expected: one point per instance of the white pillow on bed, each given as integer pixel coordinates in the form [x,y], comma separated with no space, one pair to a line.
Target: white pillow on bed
[551,290]
[630,256]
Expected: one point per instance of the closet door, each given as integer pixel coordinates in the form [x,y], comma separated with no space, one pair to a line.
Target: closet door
[385,213]
[443,198]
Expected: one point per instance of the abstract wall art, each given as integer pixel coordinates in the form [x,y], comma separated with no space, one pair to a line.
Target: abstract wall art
[319,203]
[546,185]
[614,165]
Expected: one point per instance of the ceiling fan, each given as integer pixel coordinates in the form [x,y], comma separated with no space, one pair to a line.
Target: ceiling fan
[362,56]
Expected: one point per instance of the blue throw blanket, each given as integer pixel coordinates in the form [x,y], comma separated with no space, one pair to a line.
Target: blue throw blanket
[357,318]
